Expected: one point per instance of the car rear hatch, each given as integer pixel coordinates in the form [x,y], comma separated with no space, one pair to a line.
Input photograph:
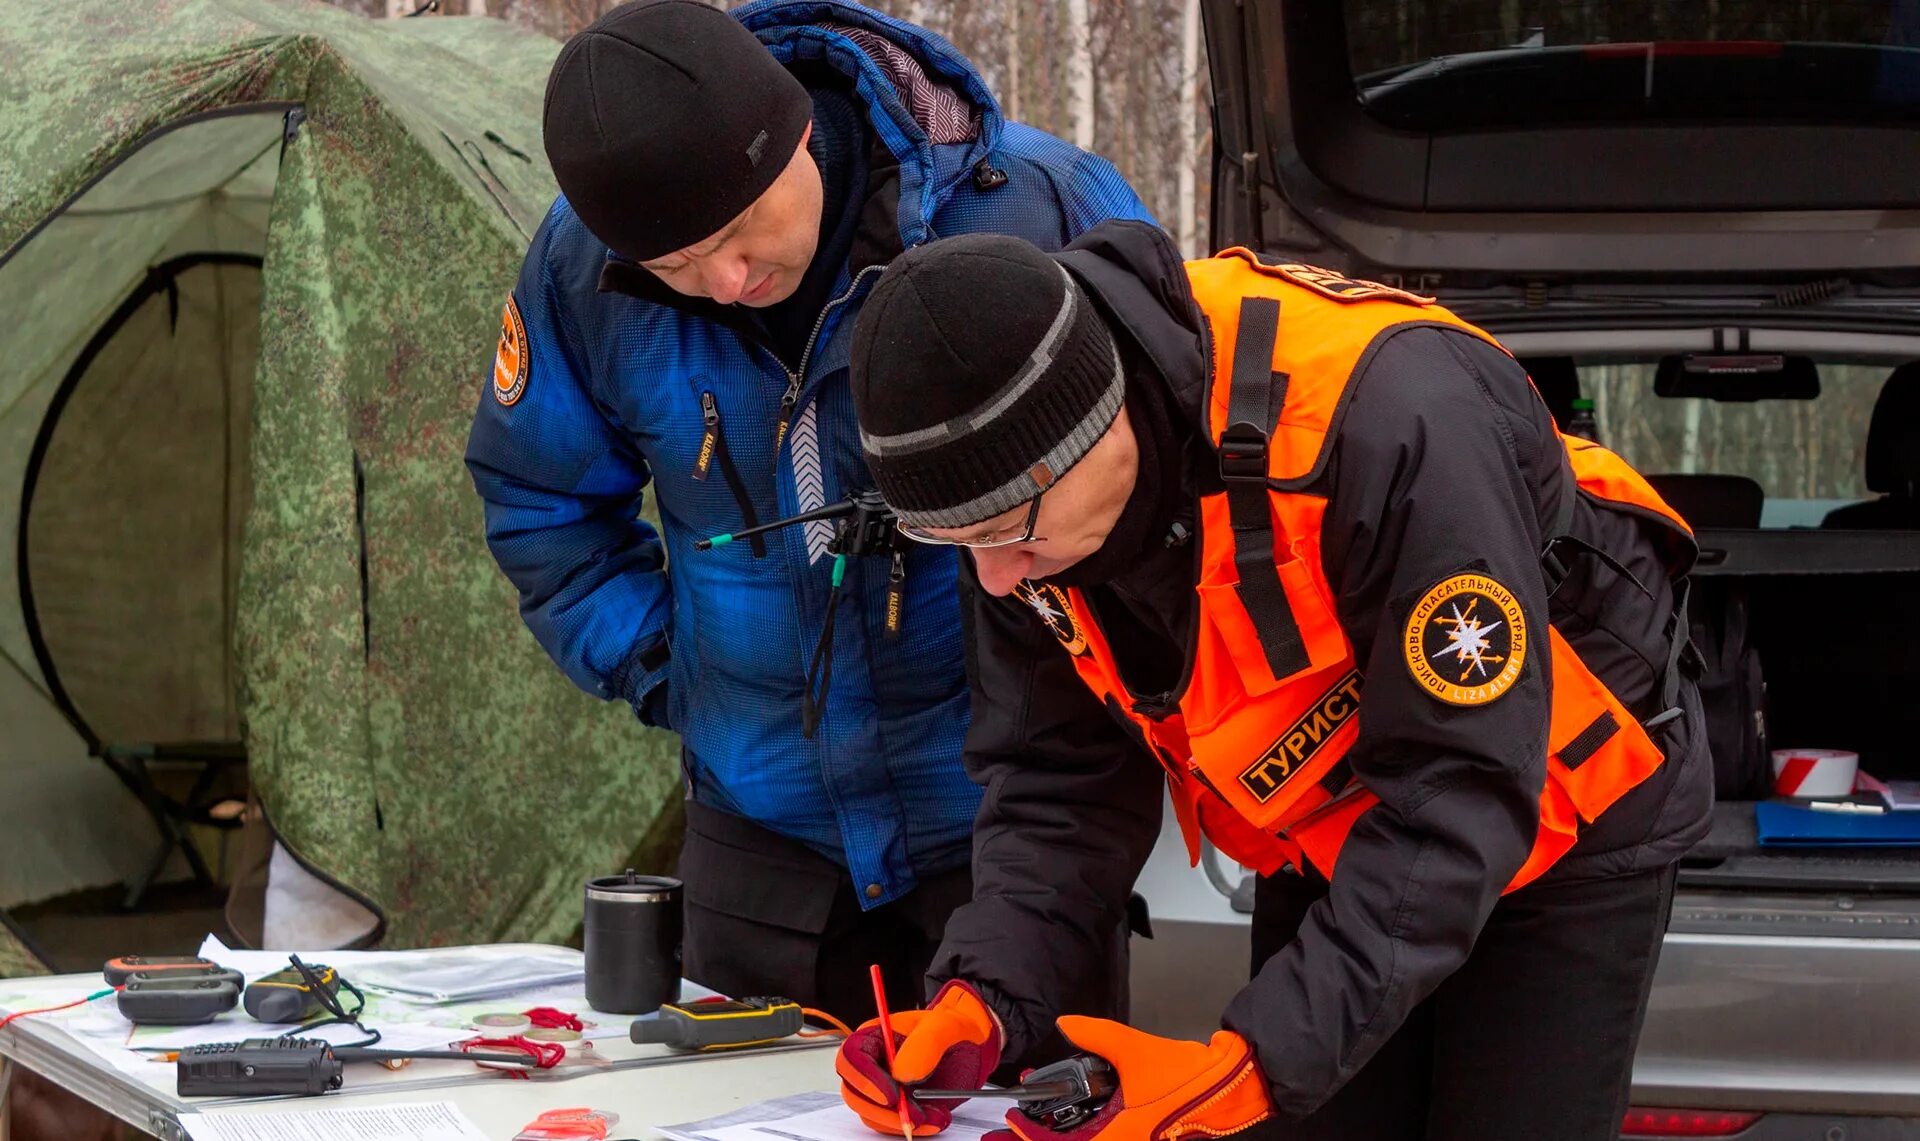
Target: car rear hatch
[1616,187]
[1464,142]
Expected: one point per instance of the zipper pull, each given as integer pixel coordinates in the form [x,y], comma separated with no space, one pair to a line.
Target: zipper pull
[787,401]
[896,594]
[710,439]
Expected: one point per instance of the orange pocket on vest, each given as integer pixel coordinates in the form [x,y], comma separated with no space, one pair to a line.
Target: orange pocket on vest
[1319,630]
[1597,751]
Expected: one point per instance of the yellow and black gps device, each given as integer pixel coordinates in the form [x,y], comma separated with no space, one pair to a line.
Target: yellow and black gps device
[728,1024]
[287,996]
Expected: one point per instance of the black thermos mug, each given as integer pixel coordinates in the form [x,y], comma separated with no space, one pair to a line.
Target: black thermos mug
[633,943]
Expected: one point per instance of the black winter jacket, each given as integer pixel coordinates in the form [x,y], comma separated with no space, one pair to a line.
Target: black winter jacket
[1445,459]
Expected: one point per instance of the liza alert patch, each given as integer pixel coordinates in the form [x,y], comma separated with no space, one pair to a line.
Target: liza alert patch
[510,359]
[1466,640]
[1050,603]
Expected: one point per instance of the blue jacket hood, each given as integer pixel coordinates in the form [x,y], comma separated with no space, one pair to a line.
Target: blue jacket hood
[794,29]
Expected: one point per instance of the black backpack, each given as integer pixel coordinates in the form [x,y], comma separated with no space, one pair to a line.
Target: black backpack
[1733,691]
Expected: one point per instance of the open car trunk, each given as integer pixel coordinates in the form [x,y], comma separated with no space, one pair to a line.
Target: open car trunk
[1840,662]
[1614,187]
[1726,196]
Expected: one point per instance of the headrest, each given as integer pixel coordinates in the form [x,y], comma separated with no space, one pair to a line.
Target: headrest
[1558,382]
[1893,436]
[1712,500]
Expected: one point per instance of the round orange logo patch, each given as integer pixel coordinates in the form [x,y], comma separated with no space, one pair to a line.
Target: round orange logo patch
[510,359]
[1466,639]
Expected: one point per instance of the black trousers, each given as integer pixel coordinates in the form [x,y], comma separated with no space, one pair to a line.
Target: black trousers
[1531,1040]
[768,916]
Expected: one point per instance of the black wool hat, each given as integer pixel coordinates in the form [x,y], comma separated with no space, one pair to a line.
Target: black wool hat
[664,120]
[981,374]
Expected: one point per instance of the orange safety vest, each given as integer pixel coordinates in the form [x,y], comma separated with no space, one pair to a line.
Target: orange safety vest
[1255,751]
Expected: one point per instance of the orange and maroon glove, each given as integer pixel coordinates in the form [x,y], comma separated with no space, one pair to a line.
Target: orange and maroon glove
[1169,1089]
[953,1044]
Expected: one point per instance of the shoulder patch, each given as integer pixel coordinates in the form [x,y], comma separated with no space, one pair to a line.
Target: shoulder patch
[1466,640]
[510,359]
[1327,283]
[1050,603]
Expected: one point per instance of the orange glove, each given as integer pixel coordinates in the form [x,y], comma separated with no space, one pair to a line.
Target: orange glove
[953,1044]
[1169,1089]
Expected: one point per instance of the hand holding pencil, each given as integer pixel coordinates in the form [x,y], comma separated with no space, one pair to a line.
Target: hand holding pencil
[953,1044]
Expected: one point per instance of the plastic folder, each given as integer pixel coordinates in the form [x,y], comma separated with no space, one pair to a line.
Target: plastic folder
[1790,825]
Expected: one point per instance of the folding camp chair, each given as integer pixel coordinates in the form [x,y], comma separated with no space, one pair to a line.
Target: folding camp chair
[203,804]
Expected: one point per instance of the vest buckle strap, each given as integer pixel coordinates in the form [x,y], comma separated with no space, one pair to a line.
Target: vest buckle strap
[1243,453]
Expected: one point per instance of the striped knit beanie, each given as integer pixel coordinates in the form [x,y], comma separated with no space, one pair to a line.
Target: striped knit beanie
[981,374]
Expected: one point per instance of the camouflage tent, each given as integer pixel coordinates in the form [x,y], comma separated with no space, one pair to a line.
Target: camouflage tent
[252,260]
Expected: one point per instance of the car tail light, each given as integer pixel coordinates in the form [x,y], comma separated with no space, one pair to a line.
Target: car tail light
[1685,1123]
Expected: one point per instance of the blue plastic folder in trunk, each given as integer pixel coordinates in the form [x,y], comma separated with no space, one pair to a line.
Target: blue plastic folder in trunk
[1790,825]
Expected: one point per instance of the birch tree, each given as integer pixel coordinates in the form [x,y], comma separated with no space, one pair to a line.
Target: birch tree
[1080,114]
[1010,98]
[1186,208]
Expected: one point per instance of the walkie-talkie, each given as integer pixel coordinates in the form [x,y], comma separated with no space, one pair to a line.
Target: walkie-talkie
[259,1067]
[303,1067]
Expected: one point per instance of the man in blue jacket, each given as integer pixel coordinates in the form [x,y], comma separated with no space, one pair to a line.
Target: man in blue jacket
[732,187]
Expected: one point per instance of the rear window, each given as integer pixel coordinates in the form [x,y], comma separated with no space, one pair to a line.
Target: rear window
[1439,65]
[1808,456]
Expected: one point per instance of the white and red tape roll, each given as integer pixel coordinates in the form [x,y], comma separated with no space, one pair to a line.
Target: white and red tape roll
[1814,772]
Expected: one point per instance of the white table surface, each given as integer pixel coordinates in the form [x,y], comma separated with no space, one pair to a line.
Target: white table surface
[649,1085]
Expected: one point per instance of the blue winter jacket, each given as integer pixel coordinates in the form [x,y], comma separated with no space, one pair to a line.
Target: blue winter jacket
[620,391]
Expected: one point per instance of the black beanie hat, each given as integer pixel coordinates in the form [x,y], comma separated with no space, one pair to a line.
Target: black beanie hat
[664,120]
[981,374]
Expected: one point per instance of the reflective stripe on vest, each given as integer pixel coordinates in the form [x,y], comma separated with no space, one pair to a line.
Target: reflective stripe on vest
[1256,751]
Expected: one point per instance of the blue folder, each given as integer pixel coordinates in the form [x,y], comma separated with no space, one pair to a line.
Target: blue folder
[1790,825]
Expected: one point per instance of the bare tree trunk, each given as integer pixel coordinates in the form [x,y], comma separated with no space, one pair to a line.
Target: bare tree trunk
[476,7]
[1690,439]
[1011,96]
[398,8]
[1080,114]
[1187,209]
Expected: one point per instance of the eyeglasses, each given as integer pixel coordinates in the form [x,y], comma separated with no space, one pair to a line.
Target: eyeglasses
[1025,536]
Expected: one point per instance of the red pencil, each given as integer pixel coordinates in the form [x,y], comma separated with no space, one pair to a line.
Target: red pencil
[886,1035]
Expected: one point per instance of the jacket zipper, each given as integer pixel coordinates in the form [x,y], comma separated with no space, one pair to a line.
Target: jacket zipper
[797,378]
[787,401]
[713,445]
[896,594]
[710,438]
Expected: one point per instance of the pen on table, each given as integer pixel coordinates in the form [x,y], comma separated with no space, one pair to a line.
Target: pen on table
[1846,806]
[886,1035]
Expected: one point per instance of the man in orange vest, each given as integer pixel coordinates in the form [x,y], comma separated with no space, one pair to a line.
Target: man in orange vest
[1309,554]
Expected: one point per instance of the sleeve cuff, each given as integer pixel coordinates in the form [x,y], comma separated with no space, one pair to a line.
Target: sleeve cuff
[643,678]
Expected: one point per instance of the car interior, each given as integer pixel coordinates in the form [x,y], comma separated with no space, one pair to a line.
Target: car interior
[1813,652]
